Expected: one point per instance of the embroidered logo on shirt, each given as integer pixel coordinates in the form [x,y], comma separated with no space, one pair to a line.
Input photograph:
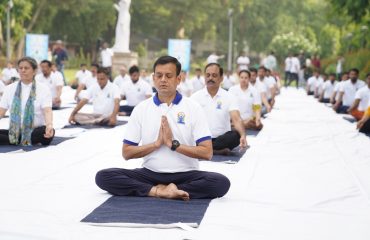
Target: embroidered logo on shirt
[181,118]
[219,105]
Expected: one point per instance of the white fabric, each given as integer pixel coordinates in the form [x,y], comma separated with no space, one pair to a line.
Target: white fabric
[288,64]
[119,80]
[319,85]
[312,82]
[106,57]
[58,75]
[2,87]
[198,83]
[305,176]
[261,88]
[89,81]
[103,99]
[228,81]
[136,93]
[82,75]
[212,58]
[337,88]
[246,99]
[185,88]
[243,62]
[295,65]
[328,89]
[43,100]
[188,125]
[217,109]
[51,81]
[349,89]
[270,62]
[269,84]
[8,73]
[364,95]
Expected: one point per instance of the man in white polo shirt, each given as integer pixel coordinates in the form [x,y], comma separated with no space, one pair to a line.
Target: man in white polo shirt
[87,82]
[270,84]
[311,82]
[220,107]
[294,69]
[198,80]
[105,97]
[134,91]
[173,135]
[121,78]
[320,84]
[348,91]
[106,58]
[9,74]
[249,101]
[55,84]
[81,75]
[361,99]
[327,89]
[262,89]
[334,98]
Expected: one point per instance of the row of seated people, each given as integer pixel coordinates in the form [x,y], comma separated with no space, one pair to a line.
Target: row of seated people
[349,95]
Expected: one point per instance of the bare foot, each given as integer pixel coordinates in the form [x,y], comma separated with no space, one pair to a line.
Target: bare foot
[171,192]
[224,151]
[122,114]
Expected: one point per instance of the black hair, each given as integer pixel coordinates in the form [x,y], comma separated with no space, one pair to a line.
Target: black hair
[133,69]
[30,60]
[215,64]
[253,70]
[168,59]
[245,71]
[262,67]
[355,70]
[198,69]
[83,65]
[95,65]
[103,70]
[47,62]
[333,75]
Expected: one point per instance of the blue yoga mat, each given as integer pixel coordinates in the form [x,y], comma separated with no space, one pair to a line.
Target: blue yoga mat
[144,211]
[11,148]
[119,123]
[234,156]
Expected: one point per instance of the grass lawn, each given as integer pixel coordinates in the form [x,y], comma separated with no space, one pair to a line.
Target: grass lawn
[70,75]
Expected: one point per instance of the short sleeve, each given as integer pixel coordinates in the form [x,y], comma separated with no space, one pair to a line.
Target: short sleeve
[89,93]
[123,89]
[116,92]
[45,98]
[148,89]
[132,134]
[201,130]
[6,98]
[233,103]
[58,81]
[256,97]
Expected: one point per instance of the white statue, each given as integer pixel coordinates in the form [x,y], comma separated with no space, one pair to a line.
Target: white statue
[123,26]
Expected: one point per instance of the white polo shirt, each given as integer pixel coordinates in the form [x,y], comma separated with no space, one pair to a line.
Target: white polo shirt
[103,99]
[312,81]
[349,89]
[185,88]
[89,81]
[319,85]
[269,83]
[364,95]
[58,75]
[261,88]
[136,92]
[328,88]
[52,81]
[217,109]
[288,63]
[243,62]
[228,81]
[106,57]
[81,75]
[337,88]
[43,99]
[119,80]
[8,73]
[187,121]
[246,100]
[295,65]
[198,83]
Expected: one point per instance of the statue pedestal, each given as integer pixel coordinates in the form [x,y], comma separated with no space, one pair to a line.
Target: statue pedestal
[127,59]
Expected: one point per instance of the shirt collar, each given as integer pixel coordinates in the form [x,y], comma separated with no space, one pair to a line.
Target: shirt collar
[176,100]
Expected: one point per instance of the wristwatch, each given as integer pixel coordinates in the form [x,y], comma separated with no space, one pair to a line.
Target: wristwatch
[175,145]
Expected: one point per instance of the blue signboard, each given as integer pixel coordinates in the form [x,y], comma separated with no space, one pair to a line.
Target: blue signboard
[180,49]
[37,46]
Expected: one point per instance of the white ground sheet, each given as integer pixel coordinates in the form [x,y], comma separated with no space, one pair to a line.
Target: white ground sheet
[306,176]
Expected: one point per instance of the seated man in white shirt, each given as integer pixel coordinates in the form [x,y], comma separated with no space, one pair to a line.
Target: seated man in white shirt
[173,135]
[228,80]
[87,82]
[122,77]
[262,89]
[9,74]
[198,80]
[185,87]
[311,82]
[81,75]
[105,97]
[320,84]
[249,101]
[362,97]
[327,89]
[220,106]
[55,84]
[347,92]
[270,84]
[335,96]
[134,91]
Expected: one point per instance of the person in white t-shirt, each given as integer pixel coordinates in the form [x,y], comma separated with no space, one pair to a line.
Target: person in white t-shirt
[122,77]
[347,92]
[362,97]
[249,101]
[146,77]
[327,89]
[29,103]
[262,90]
[228,80]
[2,87]
[81,75]
[106,58]
[54,83]
[105,97]
[220,107]
[270,84]
[171,134]
[320,84]
[335,95]
[243,61]
[312,81]
[271,62]
[134,91]
[213,58]
[185,87]
[87,82]
[198,80]
[295,67]
[287,66]
[9,74]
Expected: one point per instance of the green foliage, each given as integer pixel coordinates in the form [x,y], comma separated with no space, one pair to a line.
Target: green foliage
[358,10]
[329,40]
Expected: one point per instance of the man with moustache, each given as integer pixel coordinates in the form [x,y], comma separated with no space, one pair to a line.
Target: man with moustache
[220,107]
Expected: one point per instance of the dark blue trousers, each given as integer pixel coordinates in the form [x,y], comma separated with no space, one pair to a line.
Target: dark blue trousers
[139,181]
